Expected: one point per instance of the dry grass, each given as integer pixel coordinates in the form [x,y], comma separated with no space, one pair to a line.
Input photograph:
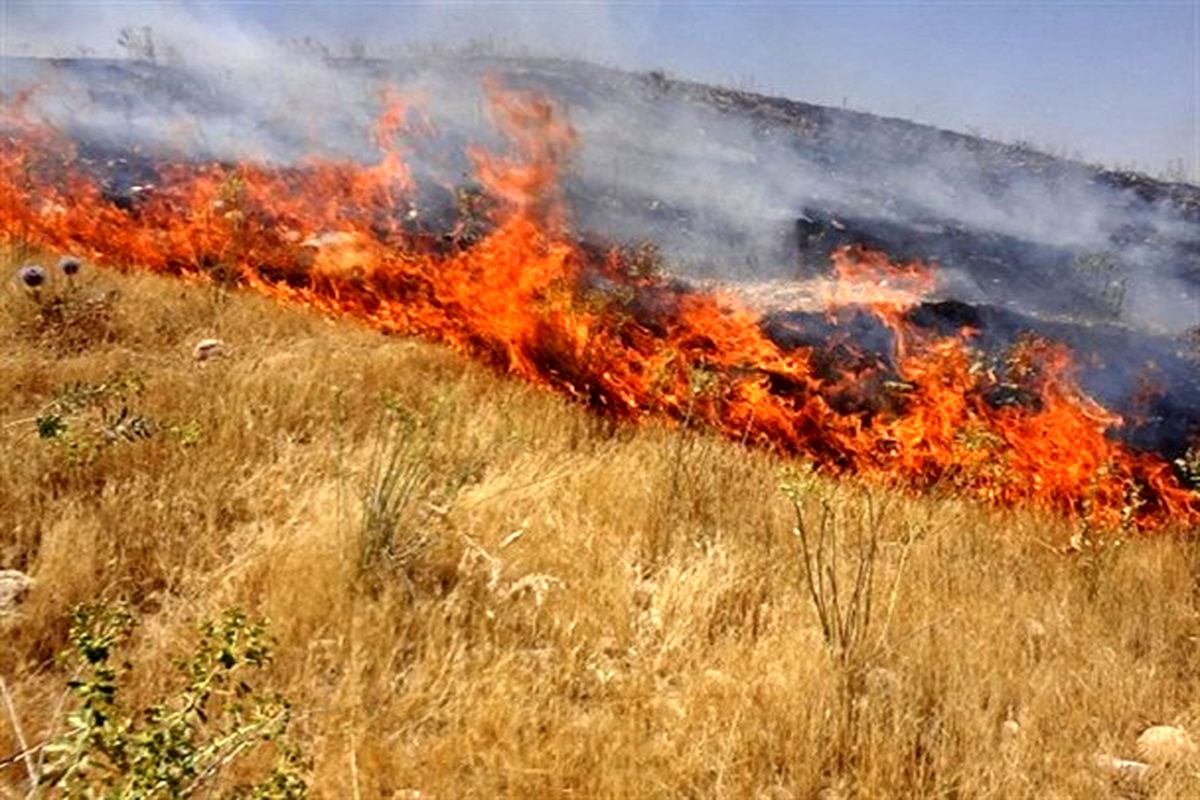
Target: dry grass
[481,591]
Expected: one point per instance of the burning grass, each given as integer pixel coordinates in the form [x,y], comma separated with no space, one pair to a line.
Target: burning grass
[561,604]
[921,409]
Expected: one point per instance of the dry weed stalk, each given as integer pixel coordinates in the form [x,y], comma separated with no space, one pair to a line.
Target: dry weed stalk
[839,559]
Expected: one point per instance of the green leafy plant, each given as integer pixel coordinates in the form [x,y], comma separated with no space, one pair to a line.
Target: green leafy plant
[84,417]
[181,744]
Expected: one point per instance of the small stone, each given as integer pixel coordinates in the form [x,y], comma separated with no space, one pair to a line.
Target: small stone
[1122,768]
[14,585]
[208,348]
[1010,730]
[1161,745]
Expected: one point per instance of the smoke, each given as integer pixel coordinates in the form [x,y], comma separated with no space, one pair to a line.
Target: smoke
[722,194]
[217,86]
[718,181]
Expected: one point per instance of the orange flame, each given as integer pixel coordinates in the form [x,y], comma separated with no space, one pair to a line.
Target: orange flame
[528,299]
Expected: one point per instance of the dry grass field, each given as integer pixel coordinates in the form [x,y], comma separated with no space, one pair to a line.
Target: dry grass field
[479,590]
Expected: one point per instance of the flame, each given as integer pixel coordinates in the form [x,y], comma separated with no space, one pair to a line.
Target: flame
[528,299]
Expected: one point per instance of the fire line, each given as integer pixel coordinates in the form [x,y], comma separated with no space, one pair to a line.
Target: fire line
[528,298]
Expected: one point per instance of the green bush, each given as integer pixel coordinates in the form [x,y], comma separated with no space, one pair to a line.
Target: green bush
[180,744]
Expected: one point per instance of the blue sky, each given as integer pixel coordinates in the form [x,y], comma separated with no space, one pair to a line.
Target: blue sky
[1112,81]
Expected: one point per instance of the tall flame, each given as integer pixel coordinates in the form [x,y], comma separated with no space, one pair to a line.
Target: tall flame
[530,300]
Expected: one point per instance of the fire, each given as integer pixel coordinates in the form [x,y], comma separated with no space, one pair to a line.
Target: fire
[529,299]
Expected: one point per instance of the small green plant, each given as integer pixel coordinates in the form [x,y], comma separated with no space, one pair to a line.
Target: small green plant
[84,417]
[181,744]
[188,433]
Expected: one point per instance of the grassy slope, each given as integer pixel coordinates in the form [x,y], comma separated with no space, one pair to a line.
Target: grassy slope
[648,634]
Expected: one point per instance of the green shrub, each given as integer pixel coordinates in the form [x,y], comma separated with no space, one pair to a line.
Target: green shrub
[180,744]
[84,418]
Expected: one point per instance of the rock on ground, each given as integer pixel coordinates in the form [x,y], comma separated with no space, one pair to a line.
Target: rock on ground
[1166,744]
[13,587]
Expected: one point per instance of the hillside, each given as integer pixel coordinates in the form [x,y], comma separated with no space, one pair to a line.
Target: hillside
[584,433]
[732,187]
[534,601]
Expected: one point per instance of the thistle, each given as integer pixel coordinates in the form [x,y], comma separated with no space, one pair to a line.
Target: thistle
[32,275]
[70,265]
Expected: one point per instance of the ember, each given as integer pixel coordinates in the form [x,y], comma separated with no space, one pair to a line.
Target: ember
[918,404]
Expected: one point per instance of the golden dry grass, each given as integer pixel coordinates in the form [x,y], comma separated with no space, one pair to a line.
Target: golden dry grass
[563,607]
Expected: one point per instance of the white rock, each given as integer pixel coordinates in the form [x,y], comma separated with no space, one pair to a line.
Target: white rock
[208,348]
[14,585]
[1166,744]
[1035,633]
[1122,767]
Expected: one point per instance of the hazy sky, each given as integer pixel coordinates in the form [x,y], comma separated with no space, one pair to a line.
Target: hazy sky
[1112,81]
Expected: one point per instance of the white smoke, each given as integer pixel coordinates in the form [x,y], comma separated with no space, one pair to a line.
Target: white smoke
[719,191]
